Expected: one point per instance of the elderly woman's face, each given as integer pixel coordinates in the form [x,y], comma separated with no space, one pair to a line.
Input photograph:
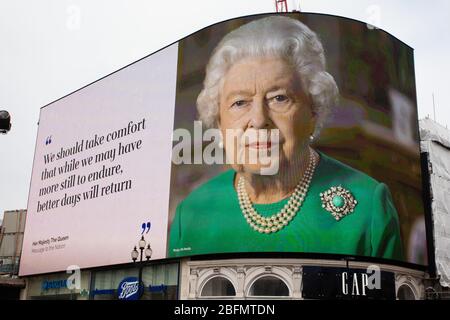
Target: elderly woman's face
[265,93]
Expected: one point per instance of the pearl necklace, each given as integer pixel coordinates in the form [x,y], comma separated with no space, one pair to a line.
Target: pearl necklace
[281,219]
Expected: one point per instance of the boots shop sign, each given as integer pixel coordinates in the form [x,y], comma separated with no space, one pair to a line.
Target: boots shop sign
[346,283]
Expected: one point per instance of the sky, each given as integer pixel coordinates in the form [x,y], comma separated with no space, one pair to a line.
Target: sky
[49,48]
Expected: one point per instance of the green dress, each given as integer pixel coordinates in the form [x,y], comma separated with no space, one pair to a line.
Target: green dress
[210,220]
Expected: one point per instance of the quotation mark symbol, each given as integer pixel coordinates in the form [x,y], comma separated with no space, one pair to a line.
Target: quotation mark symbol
[48,140]
[146,226]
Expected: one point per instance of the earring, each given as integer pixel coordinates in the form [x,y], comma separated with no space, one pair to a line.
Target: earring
[311,138]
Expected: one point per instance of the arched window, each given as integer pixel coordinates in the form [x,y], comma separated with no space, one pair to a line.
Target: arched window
[405,293]
[269,286]
[218,287]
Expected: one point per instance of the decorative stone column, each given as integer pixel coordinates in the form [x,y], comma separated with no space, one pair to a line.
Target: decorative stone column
[240,282]
[297,283]
[193,276]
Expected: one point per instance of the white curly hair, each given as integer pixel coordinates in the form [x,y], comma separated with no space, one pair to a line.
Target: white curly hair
[277,36]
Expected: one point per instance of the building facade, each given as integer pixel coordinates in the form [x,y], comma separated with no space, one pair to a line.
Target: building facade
[377,108]
[288,279]
[240,277]
[236,279]
[435,144]
[11,237]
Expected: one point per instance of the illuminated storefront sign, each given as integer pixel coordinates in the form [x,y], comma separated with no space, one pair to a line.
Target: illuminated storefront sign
[347,283]
[130,289]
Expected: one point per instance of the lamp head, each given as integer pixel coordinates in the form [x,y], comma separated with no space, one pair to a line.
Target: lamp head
[134,254]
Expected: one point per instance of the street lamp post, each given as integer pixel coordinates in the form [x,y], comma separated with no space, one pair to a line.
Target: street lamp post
[135,254]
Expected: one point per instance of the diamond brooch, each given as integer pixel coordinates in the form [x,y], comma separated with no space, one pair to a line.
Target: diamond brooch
[338,201]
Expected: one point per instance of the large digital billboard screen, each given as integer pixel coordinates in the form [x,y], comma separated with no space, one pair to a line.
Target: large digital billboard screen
[292,133]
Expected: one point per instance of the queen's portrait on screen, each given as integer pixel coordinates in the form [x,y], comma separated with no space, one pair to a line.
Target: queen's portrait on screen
[267,81]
